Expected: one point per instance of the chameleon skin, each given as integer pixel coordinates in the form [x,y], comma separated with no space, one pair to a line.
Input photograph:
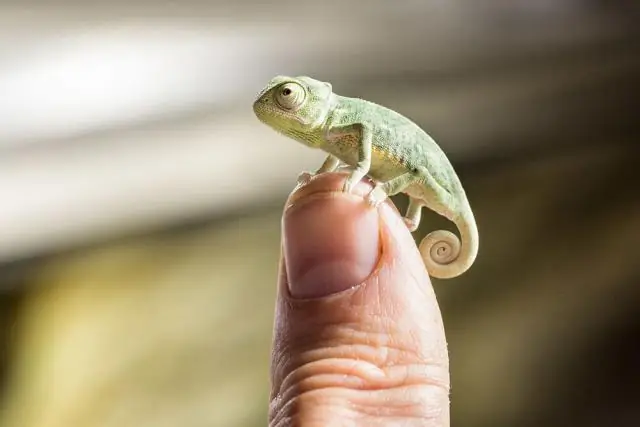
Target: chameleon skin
[384,145]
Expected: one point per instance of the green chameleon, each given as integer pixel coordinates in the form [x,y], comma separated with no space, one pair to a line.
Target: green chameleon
[384,145]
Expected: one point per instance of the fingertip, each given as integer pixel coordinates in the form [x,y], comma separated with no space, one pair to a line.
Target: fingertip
[331,238]
[383,317]
[334,241]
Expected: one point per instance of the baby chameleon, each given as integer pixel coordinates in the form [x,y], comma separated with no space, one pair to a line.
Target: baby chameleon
[384,145]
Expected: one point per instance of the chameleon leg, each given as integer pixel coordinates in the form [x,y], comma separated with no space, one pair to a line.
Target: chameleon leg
[439,199]
[414,213]
[364,159]
[394,186]
[329,165]
[390,188]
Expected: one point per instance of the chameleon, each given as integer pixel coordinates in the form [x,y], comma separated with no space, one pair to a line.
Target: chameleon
[376,142]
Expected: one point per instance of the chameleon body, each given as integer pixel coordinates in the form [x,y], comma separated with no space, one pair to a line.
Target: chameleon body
[384,145]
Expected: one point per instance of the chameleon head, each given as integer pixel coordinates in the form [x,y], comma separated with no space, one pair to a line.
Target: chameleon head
[294,106]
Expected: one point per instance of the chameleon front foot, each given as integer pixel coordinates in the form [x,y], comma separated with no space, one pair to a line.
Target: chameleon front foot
[349,184]
[376,196]
[352,180]
[304,178]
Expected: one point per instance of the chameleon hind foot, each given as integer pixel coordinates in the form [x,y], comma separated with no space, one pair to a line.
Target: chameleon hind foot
[411,224]
[413,215]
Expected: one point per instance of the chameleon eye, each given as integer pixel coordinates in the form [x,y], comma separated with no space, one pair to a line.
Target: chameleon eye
[290,96]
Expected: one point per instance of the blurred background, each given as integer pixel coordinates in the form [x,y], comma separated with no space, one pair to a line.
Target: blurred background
[140,199]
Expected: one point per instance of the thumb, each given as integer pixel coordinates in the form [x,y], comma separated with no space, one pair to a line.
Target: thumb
[358,335]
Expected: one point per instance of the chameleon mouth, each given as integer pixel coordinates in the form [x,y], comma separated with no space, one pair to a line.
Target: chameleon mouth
[263,112]
[259,112]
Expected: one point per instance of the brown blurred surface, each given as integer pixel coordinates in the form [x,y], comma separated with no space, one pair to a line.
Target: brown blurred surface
[153,306]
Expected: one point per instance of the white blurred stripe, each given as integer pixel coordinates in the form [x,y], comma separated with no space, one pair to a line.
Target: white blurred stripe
[77,194]
[118,75]
[63,194]
[89,74]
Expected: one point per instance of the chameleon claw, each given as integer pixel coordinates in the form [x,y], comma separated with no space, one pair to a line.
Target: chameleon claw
[411,224]
[376,197]
[304,178]
[348,185]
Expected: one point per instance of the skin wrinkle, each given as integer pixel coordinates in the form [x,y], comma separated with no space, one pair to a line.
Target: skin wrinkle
[292,412]
[357,375]
[344,404]
[307,378]
[380,407]
[330,370]
[375,341]
[341,332]
[392,374]
[406,405]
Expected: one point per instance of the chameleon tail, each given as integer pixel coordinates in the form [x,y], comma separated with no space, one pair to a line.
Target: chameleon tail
[445,255]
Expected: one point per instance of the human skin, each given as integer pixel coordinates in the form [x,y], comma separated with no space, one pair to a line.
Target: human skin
[358,335]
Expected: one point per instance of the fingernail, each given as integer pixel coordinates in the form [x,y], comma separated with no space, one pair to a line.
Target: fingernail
[331,243]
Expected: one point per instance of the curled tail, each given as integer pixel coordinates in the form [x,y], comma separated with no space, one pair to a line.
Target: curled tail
[447,256]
